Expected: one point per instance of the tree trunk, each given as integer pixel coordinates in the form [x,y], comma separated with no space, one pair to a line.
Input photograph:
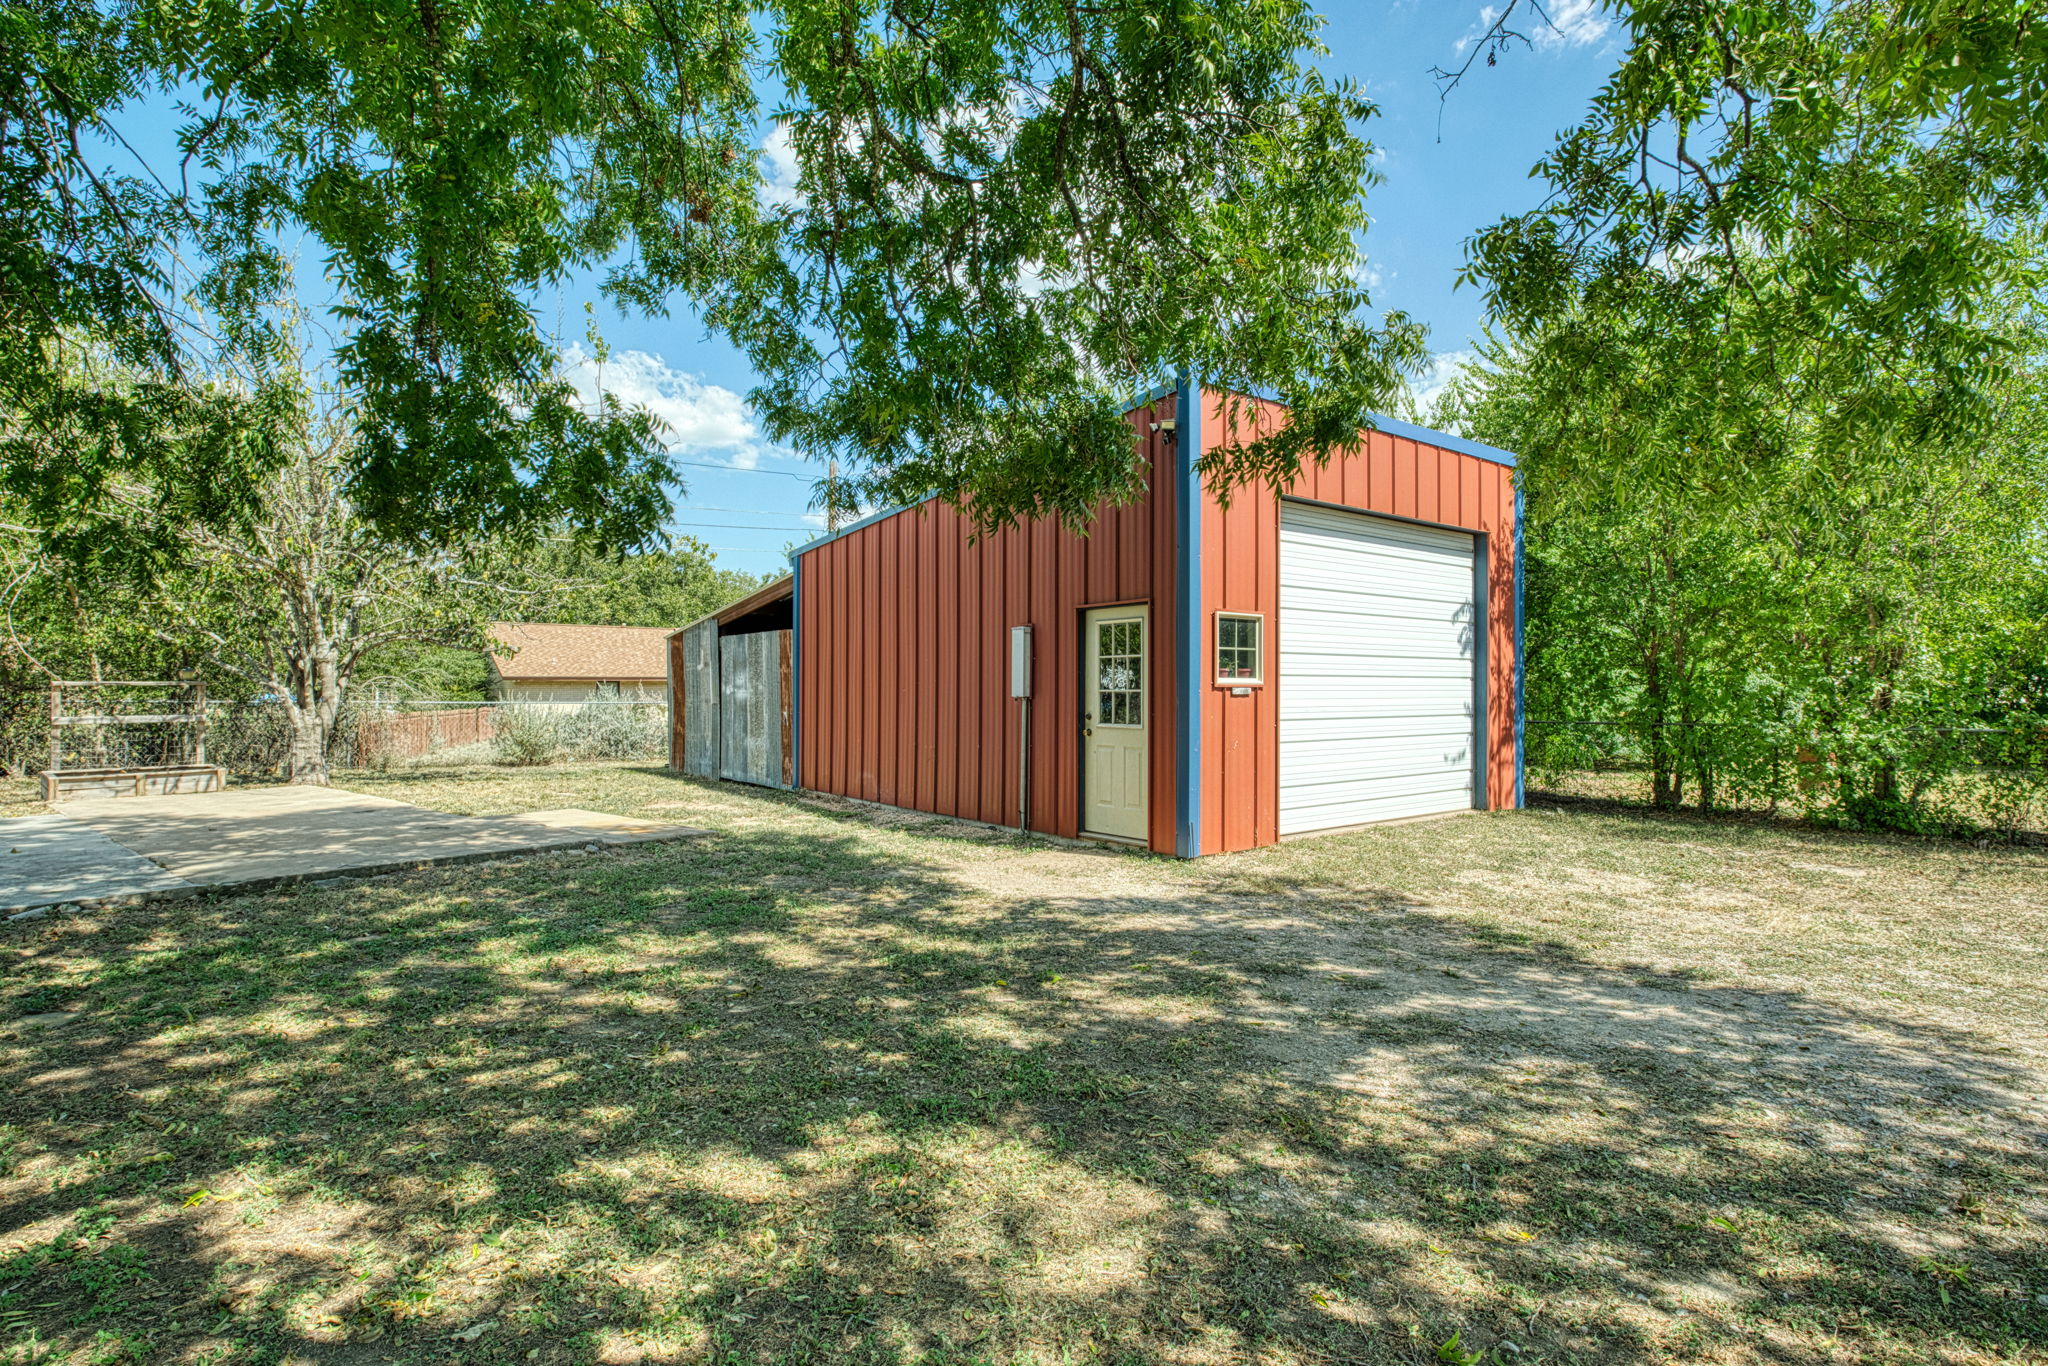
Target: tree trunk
[306,765]
[314,706]
[1667,767]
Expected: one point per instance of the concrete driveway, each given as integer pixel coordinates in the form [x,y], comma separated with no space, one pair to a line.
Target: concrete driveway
[112,847]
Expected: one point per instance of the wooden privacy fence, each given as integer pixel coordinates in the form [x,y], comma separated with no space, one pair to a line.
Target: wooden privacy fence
[410,734]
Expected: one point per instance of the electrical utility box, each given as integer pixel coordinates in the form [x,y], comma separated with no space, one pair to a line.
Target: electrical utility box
[1020,661]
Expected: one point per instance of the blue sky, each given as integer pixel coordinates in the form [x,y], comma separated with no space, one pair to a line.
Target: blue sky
[741,497]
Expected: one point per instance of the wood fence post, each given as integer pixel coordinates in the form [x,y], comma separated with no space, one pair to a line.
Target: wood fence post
[199,721]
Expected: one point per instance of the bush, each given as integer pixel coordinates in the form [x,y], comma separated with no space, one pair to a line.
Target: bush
[614,731]
[527,736]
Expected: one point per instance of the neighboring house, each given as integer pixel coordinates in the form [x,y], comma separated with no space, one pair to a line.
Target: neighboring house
[560,663]
[1191,676]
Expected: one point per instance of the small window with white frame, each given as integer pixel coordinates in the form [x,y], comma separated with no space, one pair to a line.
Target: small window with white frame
[1240,648]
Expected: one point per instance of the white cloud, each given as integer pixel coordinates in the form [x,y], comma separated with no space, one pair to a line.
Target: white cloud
[779,169]
[704,420]
[1571,23]
[1429,386]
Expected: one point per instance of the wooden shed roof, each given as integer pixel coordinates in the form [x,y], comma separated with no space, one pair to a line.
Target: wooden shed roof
[783,587]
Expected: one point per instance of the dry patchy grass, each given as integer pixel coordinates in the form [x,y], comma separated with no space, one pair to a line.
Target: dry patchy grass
[21,796]
[838,1085]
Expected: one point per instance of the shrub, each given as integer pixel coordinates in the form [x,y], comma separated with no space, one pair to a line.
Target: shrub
[527,736]
[607,730]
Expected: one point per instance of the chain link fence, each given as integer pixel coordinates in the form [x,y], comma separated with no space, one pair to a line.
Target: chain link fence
[252,737]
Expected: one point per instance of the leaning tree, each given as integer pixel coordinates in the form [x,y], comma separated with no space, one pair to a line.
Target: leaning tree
[296,596]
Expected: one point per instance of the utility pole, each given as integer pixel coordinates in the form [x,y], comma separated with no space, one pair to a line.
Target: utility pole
[832,498]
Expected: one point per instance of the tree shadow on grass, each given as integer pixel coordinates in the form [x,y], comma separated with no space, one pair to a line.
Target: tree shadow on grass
[787,1096]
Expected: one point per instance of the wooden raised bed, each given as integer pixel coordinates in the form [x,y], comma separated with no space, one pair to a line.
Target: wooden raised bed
[60,784]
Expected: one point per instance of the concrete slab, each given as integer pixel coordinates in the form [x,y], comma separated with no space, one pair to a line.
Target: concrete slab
[53,859]
[94,849]
[282,834]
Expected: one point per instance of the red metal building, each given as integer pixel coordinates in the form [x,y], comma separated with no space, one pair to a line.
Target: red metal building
[1203,678]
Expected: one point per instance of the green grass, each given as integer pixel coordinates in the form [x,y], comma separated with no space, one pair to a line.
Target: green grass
[834,1085]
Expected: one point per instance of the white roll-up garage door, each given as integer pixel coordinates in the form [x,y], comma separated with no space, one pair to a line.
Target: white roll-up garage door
[1378,639]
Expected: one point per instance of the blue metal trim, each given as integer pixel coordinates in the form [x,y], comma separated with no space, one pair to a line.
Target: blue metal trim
[1390,425]
[1152,395]
[852,527]
[1518,642]
[1187,604]
[796,672]
[1394,426]
[1482,670]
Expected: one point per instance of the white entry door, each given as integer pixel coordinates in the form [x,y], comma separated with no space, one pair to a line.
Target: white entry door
[1115,722]
[1379,633]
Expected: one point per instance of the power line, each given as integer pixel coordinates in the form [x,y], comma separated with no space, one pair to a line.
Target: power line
[738,469]
[775,551]
[750,526]
[712,507]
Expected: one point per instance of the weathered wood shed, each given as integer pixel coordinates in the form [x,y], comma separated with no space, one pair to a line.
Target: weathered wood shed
[731,691]
[1197,677]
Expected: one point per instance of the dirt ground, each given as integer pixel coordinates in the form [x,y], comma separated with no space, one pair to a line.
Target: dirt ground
[1570,1084]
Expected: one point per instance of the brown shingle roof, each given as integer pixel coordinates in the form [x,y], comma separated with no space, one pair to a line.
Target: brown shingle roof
[533,650]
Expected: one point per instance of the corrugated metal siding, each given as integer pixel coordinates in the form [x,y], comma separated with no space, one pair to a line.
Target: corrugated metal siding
[903,696]
[1393,476]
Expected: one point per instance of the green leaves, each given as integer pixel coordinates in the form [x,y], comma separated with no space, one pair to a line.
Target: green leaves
[450,161]
[1007,217]
[1778,581]
[1775,357]
[1795,155]
[1452,1352]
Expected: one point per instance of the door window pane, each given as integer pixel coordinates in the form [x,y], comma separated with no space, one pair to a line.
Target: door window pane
[1120,673]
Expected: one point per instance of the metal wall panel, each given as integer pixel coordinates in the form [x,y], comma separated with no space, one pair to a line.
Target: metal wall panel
[1393,476]
[901,694]
[903,691]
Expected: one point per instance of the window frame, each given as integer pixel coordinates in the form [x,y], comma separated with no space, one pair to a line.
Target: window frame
[1258,678]
[1137,692]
